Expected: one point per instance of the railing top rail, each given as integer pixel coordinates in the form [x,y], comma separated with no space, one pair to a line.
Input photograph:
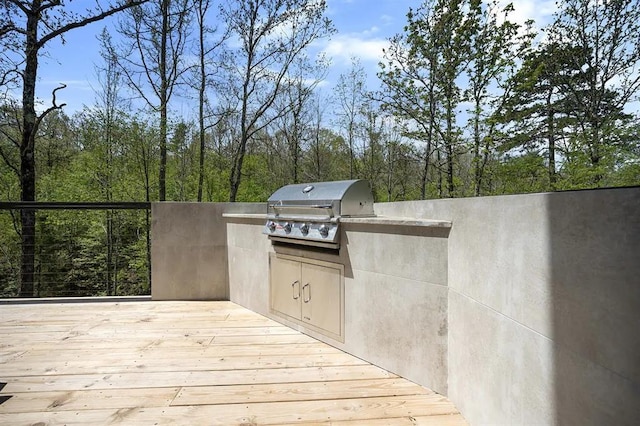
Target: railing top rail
[37,205]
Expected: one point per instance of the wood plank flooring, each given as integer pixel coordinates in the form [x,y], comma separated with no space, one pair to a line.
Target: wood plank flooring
[191,363]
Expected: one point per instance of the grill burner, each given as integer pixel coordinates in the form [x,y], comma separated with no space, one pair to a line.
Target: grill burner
[310,213]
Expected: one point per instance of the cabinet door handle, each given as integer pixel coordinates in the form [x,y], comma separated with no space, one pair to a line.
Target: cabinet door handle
[304,298]
[293,289]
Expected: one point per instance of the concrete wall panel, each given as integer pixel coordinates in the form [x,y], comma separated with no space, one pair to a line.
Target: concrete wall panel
[498,252]
[415,257]
[507,367]
[399,324]
[188,252]
[249,278]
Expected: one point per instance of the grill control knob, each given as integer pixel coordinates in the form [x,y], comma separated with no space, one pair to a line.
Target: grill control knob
[287,227]
[272,226]
[304,228]
[324,230]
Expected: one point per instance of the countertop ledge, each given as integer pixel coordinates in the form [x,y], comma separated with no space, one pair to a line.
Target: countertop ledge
[371,220]
[397,221]
[253,216]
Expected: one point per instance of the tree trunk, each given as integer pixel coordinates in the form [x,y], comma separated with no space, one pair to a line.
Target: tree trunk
[351,154]
[27,156]
[109,220]
[595,152]
[238,160]
[296,144]
[430,134]
[317,153]
[551,142]
[202,152]
[201,129]
[427,158]
[162,173]
[201,96]
[147,185]
[439,168]
[390,164]
[109,123]
[236,170]
[449,138]
[296,155]
[449,148]
[425,172]
[478,165]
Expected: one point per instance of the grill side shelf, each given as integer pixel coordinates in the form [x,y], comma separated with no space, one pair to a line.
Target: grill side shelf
[397,221]
[245,216]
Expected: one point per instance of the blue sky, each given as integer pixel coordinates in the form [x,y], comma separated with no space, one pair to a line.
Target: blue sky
[363,29]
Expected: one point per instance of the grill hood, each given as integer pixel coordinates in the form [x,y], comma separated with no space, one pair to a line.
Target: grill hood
[333,199]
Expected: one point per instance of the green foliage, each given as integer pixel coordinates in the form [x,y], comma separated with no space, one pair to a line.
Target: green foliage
[71,255]
[255,187]
[9,254]
[518,174]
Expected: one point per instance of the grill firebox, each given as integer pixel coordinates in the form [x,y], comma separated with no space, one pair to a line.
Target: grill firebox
[309,213]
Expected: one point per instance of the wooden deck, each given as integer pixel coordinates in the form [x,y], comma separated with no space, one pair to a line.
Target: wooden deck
[191,363]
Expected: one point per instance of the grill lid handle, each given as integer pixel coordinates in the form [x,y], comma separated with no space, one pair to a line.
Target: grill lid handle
[280,206]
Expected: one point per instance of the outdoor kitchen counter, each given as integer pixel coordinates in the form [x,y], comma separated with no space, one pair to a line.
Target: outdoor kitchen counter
[250,216]
[397,221]
[373,220]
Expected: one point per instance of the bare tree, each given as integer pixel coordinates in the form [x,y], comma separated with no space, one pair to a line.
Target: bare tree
[271,34]
[350,93]
[21,23]
[109,103]
[317,168]
[373,136]
[295,126]
[207,70]
[151,57]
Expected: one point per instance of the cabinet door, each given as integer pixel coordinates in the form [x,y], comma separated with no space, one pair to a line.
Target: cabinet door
[321,295]
[285,286]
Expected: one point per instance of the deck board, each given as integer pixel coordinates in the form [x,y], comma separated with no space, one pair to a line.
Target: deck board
[190,363]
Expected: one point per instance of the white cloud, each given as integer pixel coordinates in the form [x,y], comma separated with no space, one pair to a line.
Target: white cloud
[387,19]
[343,47]
[540,11]
[371,32]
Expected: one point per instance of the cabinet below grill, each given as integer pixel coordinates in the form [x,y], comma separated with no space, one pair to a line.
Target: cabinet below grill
[308,292]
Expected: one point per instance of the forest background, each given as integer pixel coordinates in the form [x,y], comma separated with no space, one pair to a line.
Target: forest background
[469,103]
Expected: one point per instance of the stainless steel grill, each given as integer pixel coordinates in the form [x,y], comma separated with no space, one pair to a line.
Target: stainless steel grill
[310,213]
